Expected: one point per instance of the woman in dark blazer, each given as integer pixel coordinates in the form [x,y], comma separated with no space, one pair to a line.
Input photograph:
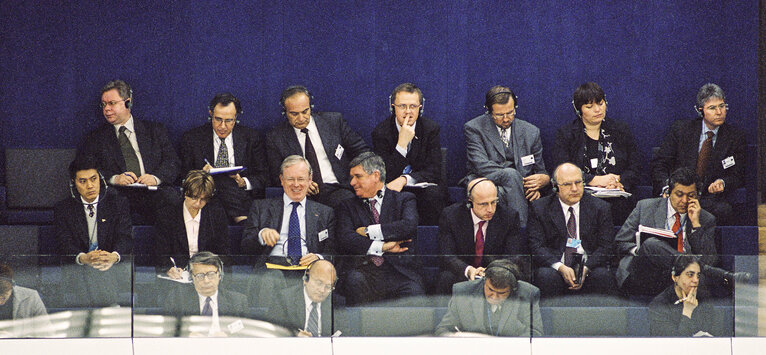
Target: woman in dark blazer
[603,148]
[206,221]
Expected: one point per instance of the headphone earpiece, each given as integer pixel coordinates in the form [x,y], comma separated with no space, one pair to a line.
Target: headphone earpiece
[129,101]
[422,105]
[102,182]
[698,110]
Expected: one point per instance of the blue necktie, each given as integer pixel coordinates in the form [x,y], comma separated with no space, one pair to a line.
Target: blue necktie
[294,236]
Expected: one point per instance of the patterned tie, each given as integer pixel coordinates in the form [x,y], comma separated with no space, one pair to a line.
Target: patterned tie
[504,136]
[571,233]
[704,154]
[128,153]
[311,156]
[222,161]
[479,245]
[377,260]
[294,236]
[207,310]
[91,211]
[676,231]
[313,325]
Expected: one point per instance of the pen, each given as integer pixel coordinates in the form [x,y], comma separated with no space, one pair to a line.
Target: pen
[681,300]
[207,162]
[174,262]
[457,330]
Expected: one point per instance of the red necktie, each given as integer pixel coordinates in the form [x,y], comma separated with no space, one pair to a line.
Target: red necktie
[676,227]
[479,245]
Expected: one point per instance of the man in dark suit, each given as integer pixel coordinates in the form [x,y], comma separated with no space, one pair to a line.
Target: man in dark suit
[190,225]
[130,151]
[409,145]
[474,234]
[569,229]
[498,305]
[507,151]
[324,139]
[289,230]
[206,298]
[377,227]
[307,308]
[94,225]
[715,148]
[243,146]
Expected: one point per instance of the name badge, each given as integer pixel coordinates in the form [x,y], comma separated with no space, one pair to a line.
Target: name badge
[594,163]
[339,151]
[323,235]
[527,160]
[573,243]
[236,326]
[728,162]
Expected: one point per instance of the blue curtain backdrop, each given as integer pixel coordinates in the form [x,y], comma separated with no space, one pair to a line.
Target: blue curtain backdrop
[649,56]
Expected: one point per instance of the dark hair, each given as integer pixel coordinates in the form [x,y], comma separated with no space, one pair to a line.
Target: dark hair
[225,99]
[82,162]
[207,258]
[685,176]
[292,90]
[407,87]
[587,93]
[683,261]
[500,274]
[6,277]
[123,89]
[197,184]
[370,162]
[499,95]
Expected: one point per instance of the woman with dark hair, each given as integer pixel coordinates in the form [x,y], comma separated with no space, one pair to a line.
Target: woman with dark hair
[603,148]
[679,311]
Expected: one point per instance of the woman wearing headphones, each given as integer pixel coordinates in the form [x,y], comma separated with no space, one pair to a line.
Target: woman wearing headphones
[679,311]
[603,148]
[191,225]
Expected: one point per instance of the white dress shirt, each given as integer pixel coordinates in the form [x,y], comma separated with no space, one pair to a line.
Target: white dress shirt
[280,249]
[192,229]
[328,176]
[215,325]
[576,212]
[307,301]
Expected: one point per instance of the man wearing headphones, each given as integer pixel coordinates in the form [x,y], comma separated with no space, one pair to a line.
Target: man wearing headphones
[709,144]
[473,234]
[222,143]
[497,305]
[206,298]
[507,151]
[323,138]
[409,145]
[307,308]
[130,151]
[571,238]
[18,302]
[94,226]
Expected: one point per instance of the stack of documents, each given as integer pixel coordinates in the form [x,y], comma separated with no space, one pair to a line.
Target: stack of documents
[645,233]
[606,193]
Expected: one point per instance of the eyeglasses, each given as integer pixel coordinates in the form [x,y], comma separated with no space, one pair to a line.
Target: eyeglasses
[228,121]
[323,286]
[500,116]
[110,103]
[721,107]
[404,107]
[210,275]
[570,184]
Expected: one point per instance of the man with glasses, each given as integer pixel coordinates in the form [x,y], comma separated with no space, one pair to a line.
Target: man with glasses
[409,145]
[644,268]
[223,143]
[290,230]
[307,308]
[571,238]
[711,146]
[507,151]
[132,152]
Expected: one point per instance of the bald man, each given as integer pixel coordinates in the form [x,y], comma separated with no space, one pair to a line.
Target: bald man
[307,308]
[473,234]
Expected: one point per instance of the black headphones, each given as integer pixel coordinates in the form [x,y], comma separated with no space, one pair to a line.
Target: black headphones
[468,202]
[422,104]
[104,186]
[554,183]
[512,276]
[488,101]
[292,90]
[129,100]
[219,99]
[577,111]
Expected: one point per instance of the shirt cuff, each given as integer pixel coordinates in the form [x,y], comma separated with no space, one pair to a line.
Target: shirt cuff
[374,232]
[156,178]
[112,179]
[248,186]
[118,256]
[402,151]
[260,239]
[376,248]
[634,251]
[410,180]
[465,273]
[556,265]
[77,259]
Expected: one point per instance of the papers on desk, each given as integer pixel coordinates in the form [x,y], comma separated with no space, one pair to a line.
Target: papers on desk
[185,279]
[229,171]
[601,192]
[283,267]
[142,186]
[645,233]
[420,185]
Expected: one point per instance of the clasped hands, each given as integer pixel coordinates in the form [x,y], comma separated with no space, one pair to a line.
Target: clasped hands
[129,177]
[394,246]
[608,181]
[532,185]
[99,259]
[568,274]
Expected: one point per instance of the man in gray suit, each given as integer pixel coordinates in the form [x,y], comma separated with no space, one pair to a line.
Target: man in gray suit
[290,230]
[507,151]
[497,305]
[18,302]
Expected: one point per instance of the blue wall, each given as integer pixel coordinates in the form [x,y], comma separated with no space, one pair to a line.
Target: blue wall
[649,56]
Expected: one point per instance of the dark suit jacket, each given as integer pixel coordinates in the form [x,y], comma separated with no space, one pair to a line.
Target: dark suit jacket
[268,214]
[519,314]
[456,237]
[170,233]
[113,218]
[679,148]
[197,145]
[424,155]
[547,230]
[183,301]
[157,152]
[282,142]
[569,146]
[667,320]
[398,221]
[289,310]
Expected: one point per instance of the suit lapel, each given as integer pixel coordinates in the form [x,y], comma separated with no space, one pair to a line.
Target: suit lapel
[465,228]
[81,224]
[494,136]
[239,144]
[143,145]
[661,213]
[312,216]
[291,139]
[327,142]
[208,152]
[558,220]
[509,307]
[387,208]
[492,239]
